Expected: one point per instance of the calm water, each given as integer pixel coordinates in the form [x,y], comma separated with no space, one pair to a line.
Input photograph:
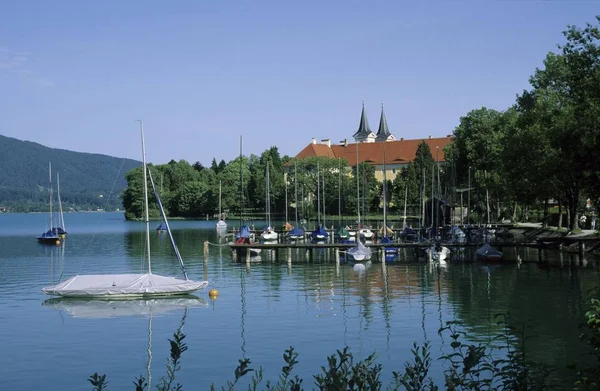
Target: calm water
[315,306]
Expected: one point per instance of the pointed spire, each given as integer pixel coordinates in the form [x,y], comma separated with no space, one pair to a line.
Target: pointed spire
[364,130]
[383,134]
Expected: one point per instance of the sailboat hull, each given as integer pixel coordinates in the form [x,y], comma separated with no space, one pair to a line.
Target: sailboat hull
[123,286]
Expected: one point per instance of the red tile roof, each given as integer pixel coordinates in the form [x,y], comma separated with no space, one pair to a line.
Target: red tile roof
[396,152]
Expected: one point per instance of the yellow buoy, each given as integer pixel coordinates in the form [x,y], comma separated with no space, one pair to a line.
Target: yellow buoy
[213,293]
[62,236]
[57,242]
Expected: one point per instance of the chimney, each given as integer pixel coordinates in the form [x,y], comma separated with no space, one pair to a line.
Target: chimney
[314,140]
[326,141]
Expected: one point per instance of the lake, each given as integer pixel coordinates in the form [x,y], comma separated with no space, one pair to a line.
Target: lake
[313,305]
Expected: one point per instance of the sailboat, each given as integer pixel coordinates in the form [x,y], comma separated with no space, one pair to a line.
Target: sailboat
[319,235]
[486,252]
[360,252]
[296,233]
[268,234]
[244,236]
[385,231]
[131,285]
[221,224]
[50,236]
[436,252]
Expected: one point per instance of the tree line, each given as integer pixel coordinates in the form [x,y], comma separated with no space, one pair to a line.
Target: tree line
[541,149]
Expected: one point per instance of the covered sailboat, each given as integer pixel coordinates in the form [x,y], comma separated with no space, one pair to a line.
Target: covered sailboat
[342,234]
[489,254]
[295,234]
[319,234]
[359,253]
[131,285]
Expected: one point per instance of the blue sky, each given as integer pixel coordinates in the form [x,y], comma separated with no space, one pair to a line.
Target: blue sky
[76,74]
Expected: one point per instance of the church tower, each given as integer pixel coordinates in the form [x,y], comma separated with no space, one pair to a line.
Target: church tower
[383,134]
[364,134]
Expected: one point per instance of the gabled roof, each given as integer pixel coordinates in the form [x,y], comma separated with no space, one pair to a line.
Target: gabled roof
[364,130]
[396,152]
[383,134]
[315,150]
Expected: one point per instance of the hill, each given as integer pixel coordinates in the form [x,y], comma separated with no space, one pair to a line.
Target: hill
[86,179]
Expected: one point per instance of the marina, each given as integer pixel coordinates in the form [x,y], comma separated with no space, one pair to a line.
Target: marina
[313,304]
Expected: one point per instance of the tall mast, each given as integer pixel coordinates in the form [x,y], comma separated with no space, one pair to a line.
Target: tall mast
[339,192]
[439,187]
[147,217]
[285,177]
[384,196]
[220,210]
[268,199]
[50,192]
[357,186]
[61,218]
[432,203]
[241,184]
[323,203]
[318,196]
[405,199]
[296,190]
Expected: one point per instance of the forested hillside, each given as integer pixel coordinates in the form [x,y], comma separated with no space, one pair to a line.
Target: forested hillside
[86,179]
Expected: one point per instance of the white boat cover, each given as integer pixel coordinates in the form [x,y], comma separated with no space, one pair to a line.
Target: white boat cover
[360,252]
[94,308]
[221,224]
[123,285]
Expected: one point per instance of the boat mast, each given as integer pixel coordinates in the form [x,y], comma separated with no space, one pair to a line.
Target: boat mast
[241,184]
[296,190]
[339,192]
[285,177]
[318,197]
[439,188]
[357,187]
[405,198]
[323,203]
[61,218]
[50,192]
[220,212]
[432,202]
[384,197]
[268,199]
[147,217]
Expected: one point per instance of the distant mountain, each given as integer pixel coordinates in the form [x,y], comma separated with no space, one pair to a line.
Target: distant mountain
[86,179]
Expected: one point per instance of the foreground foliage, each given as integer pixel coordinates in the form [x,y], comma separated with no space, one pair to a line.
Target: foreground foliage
[500,364]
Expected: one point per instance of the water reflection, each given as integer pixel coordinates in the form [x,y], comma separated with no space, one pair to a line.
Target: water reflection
[102,309]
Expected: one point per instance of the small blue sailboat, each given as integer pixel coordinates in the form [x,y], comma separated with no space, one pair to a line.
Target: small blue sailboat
[319,234]
[161,228]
